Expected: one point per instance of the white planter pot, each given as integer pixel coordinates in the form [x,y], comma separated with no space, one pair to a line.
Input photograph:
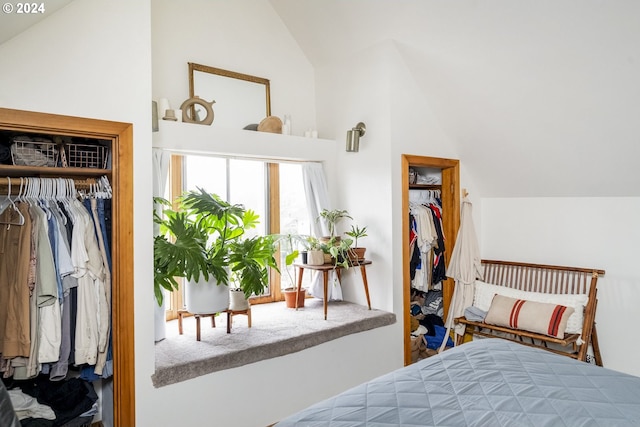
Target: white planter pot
[203,297]
[237,300]
[315,258]
[160,319]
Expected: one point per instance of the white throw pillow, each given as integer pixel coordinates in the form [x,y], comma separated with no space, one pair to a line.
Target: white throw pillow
[484,293]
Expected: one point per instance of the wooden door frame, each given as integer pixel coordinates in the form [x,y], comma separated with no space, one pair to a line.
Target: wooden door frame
[451,222]
[121,137]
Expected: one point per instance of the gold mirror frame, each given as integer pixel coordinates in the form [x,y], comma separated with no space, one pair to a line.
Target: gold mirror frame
[215,88]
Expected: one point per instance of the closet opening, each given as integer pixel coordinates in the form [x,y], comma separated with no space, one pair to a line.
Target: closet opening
[429,178]
[62,151]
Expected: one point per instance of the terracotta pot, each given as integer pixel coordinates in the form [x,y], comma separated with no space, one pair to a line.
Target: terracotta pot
[356,254]
[290,297]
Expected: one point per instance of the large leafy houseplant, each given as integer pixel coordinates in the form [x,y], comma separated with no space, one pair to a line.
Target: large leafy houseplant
[206,236]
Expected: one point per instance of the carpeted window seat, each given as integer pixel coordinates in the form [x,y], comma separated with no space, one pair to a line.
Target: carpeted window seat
[181,357]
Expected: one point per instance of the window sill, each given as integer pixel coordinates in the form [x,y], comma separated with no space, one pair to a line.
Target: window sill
[181,357]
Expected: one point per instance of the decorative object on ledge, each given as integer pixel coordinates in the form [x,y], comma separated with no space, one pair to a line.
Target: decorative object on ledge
[241,98]
[170,115]
[163,106]
[310,133]
[353,137]
[189,114]
[271,124]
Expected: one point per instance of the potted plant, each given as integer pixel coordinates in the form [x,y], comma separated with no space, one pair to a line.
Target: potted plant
[204,241]
[356,253]
[331,218]
[288,244]
[338,250]
[315,254]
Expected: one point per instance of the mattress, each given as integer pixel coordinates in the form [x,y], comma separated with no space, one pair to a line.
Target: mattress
[488,382]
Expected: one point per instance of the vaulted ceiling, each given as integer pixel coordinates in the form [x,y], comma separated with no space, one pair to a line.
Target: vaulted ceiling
[539,97]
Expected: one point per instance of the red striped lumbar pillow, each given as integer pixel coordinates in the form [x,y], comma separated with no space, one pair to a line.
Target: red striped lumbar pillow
[542,318]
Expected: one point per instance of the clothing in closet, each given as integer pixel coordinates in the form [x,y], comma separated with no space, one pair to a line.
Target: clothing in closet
[55,297]
[427,264]
[15,241]
[55,290]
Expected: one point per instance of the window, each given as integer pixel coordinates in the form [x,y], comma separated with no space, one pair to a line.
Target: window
[274,191]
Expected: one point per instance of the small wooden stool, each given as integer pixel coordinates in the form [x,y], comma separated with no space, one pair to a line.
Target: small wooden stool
[230,314]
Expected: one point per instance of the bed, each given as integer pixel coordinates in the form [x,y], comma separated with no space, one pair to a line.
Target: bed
[486,382]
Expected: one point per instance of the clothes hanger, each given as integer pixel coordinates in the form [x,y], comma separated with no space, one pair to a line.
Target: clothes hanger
[104,181]
[42,196]
[16,218]
[57,191]
[6,202]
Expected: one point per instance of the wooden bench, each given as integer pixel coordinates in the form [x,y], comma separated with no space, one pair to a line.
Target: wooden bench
[548,279]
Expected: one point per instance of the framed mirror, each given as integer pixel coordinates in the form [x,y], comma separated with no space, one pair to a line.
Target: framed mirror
[240,99]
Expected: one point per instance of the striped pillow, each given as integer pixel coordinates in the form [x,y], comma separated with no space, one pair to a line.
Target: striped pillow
[542,318]
[484,293]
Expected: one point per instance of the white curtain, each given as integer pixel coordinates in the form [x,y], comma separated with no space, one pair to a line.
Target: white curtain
[317,194]
[161,160]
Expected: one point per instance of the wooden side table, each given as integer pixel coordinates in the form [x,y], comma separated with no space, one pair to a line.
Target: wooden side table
[325,269]
[230,314]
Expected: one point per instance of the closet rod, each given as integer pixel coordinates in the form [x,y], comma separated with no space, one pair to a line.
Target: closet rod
[80,184]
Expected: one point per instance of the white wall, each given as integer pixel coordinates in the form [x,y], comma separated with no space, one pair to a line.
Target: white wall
[581,232]
[245,36]
[77,62]
[266,51]
[360,181]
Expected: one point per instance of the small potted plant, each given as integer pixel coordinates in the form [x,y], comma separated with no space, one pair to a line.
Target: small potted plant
[338,251]
[289,244]
[315,254]
[331,218]
[203,240]
[356,253]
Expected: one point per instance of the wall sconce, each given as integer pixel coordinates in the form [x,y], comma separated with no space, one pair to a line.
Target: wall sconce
[353,137]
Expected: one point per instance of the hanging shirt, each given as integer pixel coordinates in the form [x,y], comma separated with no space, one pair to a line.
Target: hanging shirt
[49,333]
[15,247]
[89,270]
